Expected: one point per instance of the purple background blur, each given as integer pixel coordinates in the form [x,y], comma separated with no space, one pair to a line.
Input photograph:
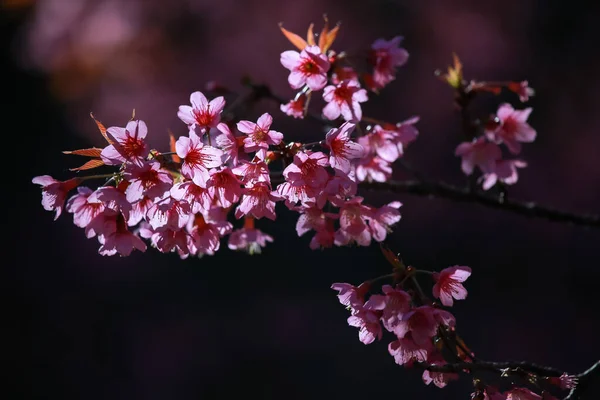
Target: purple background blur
[151,326]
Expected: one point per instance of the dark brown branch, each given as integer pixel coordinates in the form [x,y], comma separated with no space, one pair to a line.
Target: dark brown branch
[444,190]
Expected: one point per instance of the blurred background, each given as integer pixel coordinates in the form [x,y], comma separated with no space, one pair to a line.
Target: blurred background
[152,326]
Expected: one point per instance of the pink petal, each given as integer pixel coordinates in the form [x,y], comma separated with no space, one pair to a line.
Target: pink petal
[316,82]
[198,100]
[246,127]
[217,105]
[186,114]
[264,121]
[289,59]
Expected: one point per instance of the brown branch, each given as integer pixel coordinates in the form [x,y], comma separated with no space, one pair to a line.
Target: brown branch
[468,367]
[444,190]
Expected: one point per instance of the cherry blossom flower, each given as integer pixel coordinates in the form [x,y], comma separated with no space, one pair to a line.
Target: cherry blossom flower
[139,210]
[522,89]
[169,213]
[504,171]
[350,295]
[405,350]
[54,192]
[199,198]
[353,225]
[248,238]
[448,284]
[206,230]
[202,114]
[295,108]
[257,201]
[368,324]
[394,304]
[167,240]
[382,142]
[343,73]
[83,210]
[341,148]
[324,238]
[420,322]
[224,187]
[252,172]
[344,99]
[439,379]
[260,135]
[480,153]
[308,67]
[339,188]
[127,144]
[229,144]
[118,239]
[383,218]
[148,180]
[113,198]
[197,158]
[372,168]
[513,128]
[385,57]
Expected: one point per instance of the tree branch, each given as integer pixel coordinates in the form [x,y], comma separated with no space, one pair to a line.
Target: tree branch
[444,190]
[584,379]
[539,370]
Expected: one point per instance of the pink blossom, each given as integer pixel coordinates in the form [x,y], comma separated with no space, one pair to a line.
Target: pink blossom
[339,188]
[439,379]
[199,198]
[257,201]
[344,99]
[368,324]
[311,218]
[565,381]
[382,218]
[207,230]
[228,143]
[201,114]
[224,187]
[448,284]
[253,172]
[350,295]
[394,305]
[420,322]
[148,180]
[308,67]
[167,240]
[504,171]
[343,73]
[54,192]
[513,128]
[492,393]
[385,57]
[382,143]
[522,89]
[406,132]
[118,239]
[127,144]
[479,153]
[353,225]
[341,148]
[83,210]
[248,238]
[295,108]
[197,158]
[405,350]
[308,169]
[113,199]
[139,210]
[260,135]
[169,213]
[324,238]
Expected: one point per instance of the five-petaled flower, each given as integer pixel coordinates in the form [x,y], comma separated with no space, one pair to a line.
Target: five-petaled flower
[202,114]
[449,285]
[308,67]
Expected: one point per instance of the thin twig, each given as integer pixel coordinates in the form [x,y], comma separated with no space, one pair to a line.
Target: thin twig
[583,381]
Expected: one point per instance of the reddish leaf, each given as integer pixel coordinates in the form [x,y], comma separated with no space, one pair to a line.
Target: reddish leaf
[89,165]
[295,39]
[391,257]
[91,152]
[330,37]
[101,128]
[310,36]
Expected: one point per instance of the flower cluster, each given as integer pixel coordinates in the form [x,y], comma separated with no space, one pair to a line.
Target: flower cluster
[418,327]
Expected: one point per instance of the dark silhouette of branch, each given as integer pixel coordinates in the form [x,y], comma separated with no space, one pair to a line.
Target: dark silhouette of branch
[522,366]
[447,191]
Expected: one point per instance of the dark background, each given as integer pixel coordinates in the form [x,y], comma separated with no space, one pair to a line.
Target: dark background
[151,326]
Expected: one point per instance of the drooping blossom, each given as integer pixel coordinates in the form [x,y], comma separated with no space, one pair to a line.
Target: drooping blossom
[248,238]
[202,114]
[448,284]
[368,324]
[83,210]
[350,295]
[341,148]
[353,223]
[421,322]
[394,304]
[385,57]
[127,145]
[439,379]
[169,213]
[207,229]
[513,128]
[480,153]
[308,67]
[339,187]
[344,99]
[252,172]
[260,136]
[54,192]
[342,73]
[372,168]
[197,158]
[113,199]
[504,171]
[148,180]
[406,351]
[199,198]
